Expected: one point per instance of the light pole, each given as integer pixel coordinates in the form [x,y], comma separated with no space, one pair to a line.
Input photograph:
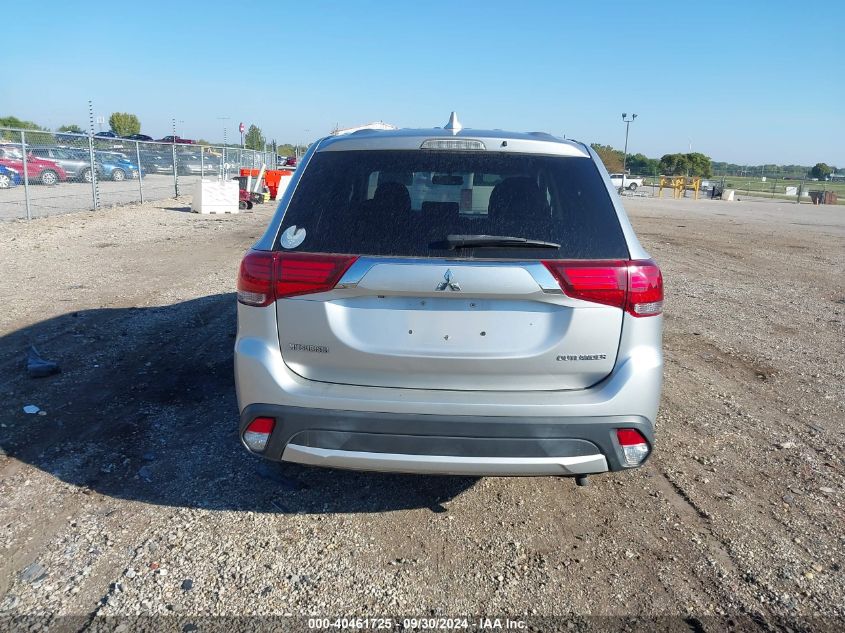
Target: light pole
[296,149]
[627,123]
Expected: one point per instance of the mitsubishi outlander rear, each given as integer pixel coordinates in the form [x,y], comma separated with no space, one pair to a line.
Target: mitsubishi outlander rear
[450,301]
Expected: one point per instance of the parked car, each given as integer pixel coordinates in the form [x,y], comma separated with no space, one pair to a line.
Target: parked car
[9,177]
[108,134]
[386,328]
[176,139]
[39,170]
[190,163]
[115,166]
[138,137]
[75,162]
[154,161]
[624,181]
[71,138]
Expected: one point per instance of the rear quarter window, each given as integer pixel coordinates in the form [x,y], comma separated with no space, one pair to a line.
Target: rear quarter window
[405,203]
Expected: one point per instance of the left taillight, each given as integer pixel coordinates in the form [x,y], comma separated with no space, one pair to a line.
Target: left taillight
[266,276]
[258,432]
[255,279]
[307,273]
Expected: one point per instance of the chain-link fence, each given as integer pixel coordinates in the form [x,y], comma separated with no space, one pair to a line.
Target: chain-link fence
[45,173]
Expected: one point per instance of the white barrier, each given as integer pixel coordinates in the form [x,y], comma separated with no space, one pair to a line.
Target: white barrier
[284,181]
[212,196]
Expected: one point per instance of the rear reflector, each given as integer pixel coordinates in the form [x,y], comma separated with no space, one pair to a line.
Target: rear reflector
[266,276]
[258,433]
[635,286]
[634,446]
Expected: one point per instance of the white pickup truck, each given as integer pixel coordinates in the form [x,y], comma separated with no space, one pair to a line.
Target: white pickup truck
[626,182]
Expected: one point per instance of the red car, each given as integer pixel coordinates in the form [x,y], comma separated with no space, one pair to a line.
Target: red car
[47,172]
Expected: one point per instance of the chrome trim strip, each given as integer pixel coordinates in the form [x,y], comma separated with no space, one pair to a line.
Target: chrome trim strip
[355,273]
[445,464]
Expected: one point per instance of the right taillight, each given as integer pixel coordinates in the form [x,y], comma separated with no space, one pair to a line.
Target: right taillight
[635,286]
[645,289]
[266,276]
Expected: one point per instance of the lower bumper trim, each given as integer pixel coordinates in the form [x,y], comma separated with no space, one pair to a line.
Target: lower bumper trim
[445,464]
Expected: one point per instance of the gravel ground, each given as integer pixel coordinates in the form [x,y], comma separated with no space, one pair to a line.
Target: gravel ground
[131,495]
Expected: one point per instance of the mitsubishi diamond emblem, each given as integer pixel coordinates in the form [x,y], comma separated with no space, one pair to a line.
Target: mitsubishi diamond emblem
[448,283]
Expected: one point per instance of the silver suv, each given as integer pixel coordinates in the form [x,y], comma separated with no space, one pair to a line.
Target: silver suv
[76,162]
[450,301]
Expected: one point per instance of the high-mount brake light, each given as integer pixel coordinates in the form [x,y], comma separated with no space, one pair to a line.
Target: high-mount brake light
[635,286]
[453,144]
[266,276]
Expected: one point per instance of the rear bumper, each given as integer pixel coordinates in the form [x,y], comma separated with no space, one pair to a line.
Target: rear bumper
[439,444]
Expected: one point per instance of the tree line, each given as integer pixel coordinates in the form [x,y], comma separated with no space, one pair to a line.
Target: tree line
[691,164]
[697,164]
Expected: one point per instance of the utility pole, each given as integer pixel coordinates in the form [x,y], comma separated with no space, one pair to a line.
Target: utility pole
[627,123]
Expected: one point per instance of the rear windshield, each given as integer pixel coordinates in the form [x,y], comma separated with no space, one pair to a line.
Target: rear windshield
[407,203]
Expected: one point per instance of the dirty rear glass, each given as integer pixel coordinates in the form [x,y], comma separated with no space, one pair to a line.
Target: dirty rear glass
[406,203]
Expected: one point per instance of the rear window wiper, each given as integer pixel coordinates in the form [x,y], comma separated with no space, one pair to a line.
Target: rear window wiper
[459,241]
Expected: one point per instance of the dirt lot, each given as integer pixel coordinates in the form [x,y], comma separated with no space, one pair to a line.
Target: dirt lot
[132,495]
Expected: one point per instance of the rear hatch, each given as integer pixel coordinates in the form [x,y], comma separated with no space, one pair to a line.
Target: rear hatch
[444,270]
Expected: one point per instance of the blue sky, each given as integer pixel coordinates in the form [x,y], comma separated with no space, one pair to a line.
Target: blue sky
[746,82]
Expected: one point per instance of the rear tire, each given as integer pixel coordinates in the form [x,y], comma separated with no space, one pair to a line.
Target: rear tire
[242,205]
[48,177]
[632,186]
[86,175]
[118,175]
[5,181]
